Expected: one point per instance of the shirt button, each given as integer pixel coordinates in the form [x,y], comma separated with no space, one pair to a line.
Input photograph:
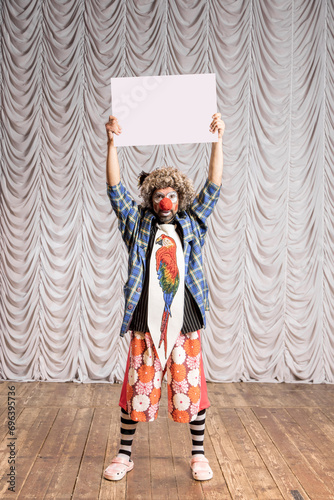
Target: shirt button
[130,306]
[139,289]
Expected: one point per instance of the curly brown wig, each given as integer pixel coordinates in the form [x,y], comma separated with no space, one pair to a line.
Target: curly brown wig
[164,177]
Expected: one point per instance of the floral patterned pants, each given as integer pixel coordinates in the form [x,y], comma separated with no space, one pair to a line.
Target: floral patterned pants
[141,391]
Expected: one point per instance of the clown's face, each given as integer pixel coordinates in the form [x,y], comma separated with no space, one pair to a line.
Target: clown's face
[165,203]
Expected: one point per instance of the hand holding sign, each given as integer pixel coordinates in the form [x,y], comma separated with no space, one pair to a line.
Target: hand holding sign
[112,127]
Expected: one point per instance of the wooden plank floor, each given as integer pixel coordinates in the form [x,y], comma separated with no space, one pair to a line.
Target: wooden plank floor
[264,441]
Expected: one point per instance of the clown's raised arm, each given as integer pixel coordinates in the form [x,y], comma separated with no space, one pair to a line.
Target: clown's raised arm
[113,171]
[216,160]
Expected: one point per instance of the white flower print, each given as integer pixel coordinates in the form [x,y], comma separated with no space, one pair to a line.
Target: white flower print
[192,335]
[152,411]
[157,380]
[136,361]
[194,408]
[194,362]
[148,357]
[140,402]
[193,377]
[178,355]
[157,365]
[148,340]
[181,401]
[180,340]
[133,376]
[142,388]
[180,387]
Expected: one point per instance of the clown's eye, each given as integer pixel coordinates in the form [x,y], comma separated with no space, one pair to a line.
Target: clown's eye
[157,198]
[160,196]
[172,196]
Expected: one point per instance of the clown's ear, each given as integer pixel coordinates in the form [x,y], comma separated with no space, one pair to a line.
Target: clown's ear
[142,176]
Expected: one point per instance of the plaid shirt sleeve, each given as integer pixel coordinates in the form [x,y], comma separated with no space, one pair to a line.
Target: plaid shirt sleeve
[203,205]
[126,210]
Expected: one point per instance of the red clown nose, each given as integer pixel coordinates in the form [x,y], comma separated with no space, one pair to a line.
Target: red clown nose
[165,204]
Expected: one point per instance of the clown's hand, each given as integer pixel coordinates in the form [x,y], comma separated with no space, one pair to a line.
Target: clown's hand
[113,170]
[112,127]
[216,159]
[217,124]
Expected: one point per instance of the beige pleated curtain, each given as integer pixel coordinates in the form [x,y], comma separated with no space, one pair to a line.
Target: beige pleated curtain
[269,251]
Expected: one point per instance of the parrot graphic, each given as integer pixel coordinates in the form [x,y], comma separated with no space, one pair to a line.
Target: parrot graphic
[169,279]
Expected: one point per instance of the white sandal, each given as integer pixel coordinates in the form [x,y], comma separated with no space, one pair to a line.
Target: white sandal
[118,468]
[200,468]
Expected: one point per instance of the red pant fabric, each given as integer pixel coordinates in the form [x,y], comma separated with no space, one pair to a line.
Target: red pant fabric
[204,401]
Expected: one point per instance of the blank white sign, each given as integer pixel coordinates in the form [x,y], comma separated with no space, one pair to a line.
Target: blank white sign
[173,109]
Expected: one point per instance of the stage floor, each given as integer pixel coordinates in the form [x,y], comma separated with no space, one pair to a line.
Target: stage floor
[264,441]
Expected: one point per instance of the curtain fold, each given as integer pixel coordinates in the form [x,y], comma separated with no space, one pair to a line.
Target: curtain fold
[269,250]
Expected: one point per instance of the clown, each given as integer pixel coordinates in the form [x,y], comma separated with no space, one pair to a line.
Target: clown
[166,297]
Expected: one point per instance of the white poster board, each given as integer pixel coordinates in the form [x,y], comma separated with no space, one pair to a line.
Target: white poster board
[173,109]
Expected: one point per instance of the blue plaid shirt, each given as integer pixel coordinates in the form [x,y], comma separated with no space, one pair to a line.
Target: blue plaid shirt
[135,225]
